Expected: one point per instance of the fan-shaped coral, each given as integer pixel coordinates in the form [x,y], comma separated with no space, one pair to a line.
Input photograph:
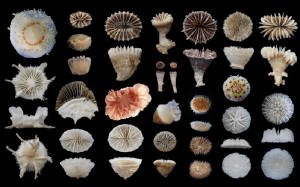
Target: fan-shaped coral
[20,120]
[125,60]
[125,138]
[278,27]
[167,113]
[200,145]
[199,27]
[200,104]
[280,136]
[238,56]
[127,102]
[165,141]
[75,101]
[31,156]
[123,26]
[200,169]
[277,164]
[279,59]
[79,65]
[236,88]
[77,167]
[278,108]
[200,126]
[31,82]
[80,19]
[236,119]
[237,26]
[80,42]
[164,167]
[236,144]
[32,33]
[125,167]
[236,165]
[76,140]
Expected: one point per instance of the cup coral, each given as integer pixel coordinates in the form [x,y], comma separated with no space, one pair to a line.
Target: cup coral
[236,119]
[236,165]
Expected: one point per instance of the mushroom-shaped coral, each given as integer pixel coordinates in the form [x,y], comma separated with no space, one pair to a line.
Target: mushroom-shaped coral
[236,144]
[200,126]
[236,88]
[278,108]
[123,26]
[278,26]
[125,60]
[164,167]
[199,27]
[238,56]
[277,164]
[200,145]
[125,167]
[32,33]
[200,104]
[279,59]
[236,119]
[165,141]
[280,136]
[125,138]
[163,22]
[236,165]
[79,42]
[200,169]
[80,19]
[237,26]
[79,65]
[127,102]
[31,155]
[31,82]
[167,113]
[200,60]
[77,167]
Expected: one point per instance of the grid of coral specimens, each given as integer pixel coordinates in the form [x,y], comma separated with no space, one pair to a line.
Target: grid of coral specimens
[163,95]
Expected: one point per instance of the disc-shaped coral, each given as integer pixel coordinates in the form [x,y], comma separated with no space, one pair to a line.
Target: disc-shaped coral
[76,140]
[75,101]
[164,141]
[237,26]
[200,104]
[236,119]
[238,56]
[199,27]
[236,88]
[125,138]
[167,113]
[277,164]
[80,19]
[200,126]
[279,136]
[200,145]
[79,42]
[236,165]
[32,33]
[164,167]
[31,82]
[123,26]
[200,169]
[77,167]
[278,26]
[278,108]
[127,102]
[236,144]
[125,167]
[79,65]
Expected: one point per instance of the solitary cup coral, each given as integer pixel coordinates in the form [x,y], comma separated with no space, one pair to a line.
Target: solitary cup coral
[238,56]
[236,165]
[236,119]
[77,167]
[125,167]
[165,141]
[200,169]
[80,19]
[164,167]
[168,113]
[79,65]
[278,136]
[236,88]
[200,104]
[127,102]
[200,145]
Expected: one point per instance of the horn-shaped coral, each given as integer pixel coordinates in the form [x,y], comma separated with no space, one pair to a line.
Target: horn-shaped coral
[279,59]
[238,56]
[164,167]
[200,60]
[79,65]
[125,167]
[125,61]
[163,22]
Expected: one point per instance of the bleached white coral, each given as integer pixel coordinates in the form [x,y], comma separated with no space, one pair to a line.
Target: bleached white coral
[277,108]
[280,136]
[236,144]
[236,119]
[77,167]
[236,165]
[277,164]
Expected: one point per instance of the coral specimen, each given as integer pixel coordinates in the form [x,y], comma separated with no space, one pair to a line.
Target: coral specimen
[236,88]
[79,42]
[277,164]
[236,119]
[160,65]
[279,59]
[238,56]
[200,126]
[173,65]
[277,108]
[125,138]
[123,26]
[20,120]
[76,140]
[200,60]
[200,169]
[199,27]
[31,156]
[160,80]
[167,113]
[238,26]
[236,165]
[125,60]
[236,144]
[32,33]
[127,102]
[79,65]
[31,82]
[165,141]
[173,78]
[278,26]
[164,167]
[200,104]
[163,22]
[75,101]
[77,167]
[280,136]
[125,167]
[80,19]
[200,145]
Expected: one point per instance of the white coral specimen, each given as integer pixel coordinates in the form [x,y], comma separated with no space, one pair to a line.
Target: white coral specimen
[236,144]
[125,167]
[77,167]
[280,136]
[236,165]
[277,164]
[236,119]
[238,56]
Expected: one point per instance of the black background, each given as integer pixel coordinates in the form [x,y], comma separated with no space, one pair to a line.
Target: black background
[101,79]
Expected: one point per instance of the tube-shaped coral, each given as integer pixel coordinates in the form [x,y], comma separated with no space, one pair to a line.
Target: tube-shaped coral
[160,80]
[173,77]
